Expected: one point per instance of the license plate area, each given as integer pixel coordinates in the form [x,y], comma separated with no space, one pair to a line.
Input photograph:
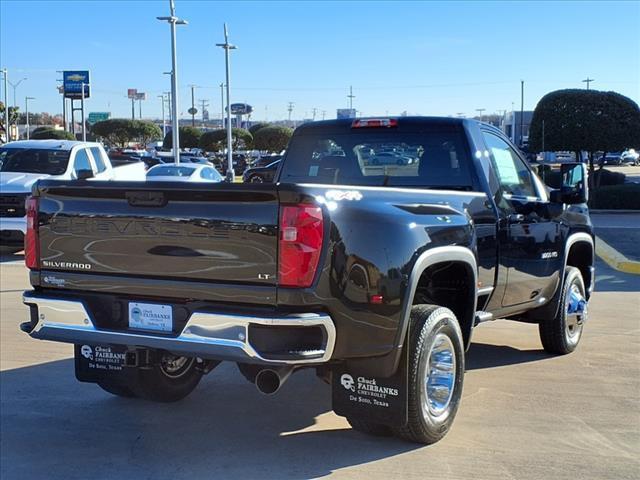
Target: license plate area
[152,317]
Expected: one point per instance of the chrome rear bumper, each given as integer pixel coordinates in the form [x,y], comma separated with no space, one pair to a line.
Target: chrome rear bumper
[206,335]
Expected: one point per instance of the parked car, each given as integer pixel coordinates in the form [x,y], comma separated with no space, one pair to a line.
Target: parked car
[261,174]
[630,157]
[611,159]
[265,160]
[184,172]
[377,281]
[23,163]
[239,164]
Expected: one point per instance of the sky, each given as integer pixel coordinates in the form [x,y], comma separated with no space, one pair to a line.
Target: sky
[425,58]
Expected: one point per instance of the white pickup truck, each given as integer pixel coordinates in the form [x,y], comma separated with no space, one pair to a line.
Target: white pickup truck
[23,163]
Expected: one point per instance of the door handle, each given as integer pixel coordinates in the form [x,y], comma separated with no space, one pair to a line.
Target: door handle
[515,218]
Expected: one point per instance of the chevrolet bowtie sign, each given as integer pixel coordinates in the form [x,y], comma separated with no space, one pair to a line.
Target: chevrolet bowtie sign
[73,80]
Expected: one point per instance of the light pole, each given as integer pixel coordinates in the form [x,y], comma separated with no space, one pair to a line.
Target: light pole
[26,111]
[15,86]
[227,46]
[6,105]
[222,105]
[521,112]
[192,110]
[173,21]
[588,81]
[480,110]
[84,124]
[164,123]
[351,96]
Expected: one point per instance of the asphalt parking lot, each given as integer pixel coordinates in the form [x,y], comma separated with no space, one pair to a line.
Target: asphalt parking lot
[525,414]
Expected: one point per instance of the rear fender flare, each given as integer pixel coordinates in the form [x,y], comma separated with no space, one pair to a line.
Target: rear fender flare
[424,261]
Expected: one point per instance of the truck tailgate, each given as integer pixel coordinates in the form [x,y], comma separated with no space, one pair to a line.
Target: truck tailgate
[217,233]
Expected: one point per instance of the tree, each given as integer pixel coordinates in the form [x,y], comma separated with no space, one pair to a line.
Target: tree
[45,133]
[120,131]
[585,120]
[146,131]
[13,116]
[116,131]
[257,126]
[189,138]
[272,139]
[216,140]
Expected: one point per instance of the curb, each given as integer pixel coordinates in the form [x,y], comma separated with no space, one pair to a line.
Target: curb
[615,259]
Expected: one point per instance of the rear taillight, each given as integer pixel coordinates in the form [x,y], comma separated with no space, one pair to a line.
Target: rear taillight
[301,232]
[31,239]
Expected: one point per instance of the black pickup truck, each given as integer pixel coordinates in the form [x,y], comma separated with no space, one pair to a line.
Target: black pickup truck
[378,249]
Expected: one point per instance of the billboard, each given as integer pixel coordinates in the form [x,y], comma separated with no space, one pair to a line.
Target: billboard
[72,81]
[140,96]
[132,92]
[346,113]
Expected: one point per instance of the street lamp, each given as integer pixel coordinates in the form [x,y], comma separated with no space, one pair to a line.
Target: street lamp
[173,21]
[227,46]
[6,105]
[480,110]
[15,86]
[164,123]
[26,111]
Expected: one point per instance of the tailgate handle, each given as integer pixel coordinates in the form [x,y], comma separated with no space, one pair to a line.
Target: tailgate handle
[146,199]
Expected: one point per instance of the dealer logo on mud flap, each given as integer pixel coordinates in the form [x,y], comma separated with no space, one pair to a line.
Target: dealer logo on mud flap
[136,314]
[347,382]
[86,352]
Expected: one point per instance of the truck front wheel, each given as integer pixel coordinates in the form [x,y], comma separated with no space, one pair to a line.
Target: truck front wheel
[170,379]
[435,373]
[562,333]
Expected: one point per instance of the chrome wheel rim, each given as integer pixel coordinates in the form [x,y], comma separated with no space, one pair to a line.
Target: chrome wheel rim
[256,179]
[441,375]
[174,366]
[576,312]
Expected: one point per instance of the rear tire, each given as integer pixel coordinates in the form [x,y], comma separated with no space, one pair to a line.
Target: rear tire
[170,380]
[561,334]
[435,373]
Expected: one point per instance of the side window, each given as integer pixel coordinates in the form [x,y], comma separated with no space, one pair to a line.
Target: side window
[206,174]
[513,175]
[82,161]
[97,158]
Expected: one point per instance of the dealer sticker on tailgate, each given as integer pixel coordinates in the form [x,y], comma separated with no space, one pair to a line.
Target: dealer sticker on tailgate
[150,316]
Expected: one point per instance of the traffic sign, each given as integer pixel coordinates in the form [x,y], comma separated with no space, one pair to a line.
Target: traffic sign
[95,117]
[72,81]
[192,111]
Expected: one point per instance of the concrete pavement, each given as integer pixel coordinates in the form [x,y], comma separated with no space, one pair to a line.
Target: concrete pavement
[525,414]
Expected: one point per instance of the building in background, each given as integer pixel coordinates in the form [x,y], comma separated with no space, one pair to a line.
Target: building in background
[511,126]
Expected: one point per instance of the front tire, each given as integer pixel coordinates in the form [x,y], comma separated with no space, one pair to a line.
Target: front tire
[435,373]
[562,333]
[171,379]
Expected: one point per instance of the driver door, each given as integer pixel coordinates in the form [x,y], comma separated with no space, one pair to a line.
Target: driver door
[528,231]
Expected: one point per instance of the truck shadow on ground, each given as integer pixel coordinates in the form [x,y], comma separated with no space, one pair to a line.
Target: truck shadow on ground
[225,429]
[10,255]
[484,355]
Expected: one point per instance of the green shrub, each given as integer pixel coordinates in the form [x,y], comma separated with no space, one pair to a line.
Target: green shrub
[216,140]
[48,133]
[272,139]
[189,138]
[617,197]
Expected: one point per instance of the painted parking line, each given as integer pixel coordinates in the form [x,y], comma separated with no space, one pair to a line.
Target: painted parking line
[615,259]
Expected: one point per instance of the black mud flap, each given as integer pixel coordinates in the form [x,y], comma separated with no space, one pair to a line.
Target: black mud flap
[374,399]
[100,362]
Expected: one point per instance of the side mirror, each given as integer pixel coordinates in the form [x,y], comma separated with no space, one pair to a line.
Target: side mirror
[84,174]
[574,187]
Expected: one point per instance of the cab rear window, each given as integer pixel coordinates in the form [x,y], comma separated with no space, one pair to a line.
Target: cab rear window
[388,158]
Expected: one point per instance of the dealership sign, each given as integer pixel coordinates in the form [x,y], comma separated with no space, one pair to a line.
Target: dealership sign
[73,81]
[241,109]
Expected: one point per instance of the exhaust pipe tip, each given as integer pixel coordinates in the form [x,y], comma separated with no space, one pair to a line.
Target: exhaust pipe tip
[268,381]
